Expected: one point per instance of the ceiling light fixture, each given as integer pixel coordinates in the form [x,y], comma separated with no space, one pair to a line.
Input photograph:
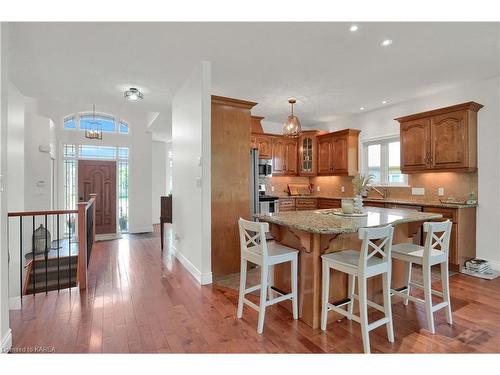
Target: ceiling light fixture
[291,127]
[94,127]
[362,108]
[133,95]
[384,101]
[386,42]
[354,28]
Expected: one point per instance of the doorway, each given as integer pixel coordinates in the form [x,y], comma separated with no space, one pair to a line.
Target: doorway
[99,177]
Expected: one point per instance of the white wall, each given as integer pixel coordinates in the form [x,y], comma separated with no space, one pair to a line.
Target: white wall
[381,122]
[15,183]
[159,177]
[5,332]
[191,107]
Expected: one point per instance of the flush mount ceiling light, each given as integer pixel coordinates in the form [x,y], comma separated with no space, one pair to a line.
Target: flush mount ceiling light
[386,43]
[133,95]
[384,101]
[291,127]
[94,127]
[353,28]
[361,108]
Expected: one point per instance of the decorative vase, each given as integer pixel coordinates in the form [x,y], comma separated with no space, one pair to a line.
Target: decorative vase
[358,202]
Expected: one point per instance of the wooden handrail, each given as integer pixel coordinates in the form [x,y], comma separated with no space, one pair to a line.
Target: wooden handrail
[41,213]
[82,239]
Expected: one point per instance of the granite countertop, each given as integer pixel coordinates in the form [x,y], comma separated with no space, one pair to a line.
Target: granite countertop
[325,222]
[422,203]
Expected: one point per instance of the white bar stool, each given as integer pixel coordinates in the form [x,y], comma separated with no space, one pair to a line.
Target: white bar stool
[438,236]
[255,249]
[362,265]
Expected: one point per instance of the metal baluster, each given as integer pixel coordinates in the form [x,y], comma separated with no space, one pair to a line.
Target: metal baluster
[69,253]
[58,286]
[33,255]
[21,256]
[46,256]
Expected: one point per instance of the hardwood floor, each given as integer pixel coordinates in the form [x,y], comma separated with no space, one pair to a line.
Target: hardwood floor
[140,300]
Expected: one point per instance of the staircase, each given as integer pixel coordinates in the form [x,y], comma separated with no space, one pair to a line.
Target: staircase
[67,277]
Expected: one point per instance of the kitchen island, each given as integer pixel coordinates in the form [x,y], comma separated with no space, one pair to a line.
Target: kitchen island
[318,232]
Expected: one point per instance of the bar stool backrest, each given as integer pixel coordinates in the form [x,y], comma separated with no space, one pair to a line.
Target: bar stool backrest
[438,237]
[369,248]
[253,237]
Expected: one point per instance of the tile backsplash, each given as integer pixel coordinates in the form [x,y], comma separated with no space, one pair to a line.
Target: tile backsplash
[456,185]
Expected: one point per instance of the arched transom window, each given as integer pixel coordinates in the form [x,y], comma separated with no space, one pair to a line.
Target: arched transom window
[100,121]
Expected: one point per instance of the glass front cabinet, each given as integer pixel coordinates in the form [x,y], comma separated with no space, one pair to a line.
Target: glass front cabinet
[307,153]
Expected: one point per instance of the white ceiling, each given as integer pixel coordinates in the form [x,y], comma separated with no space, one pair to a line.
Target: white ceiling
[330,70]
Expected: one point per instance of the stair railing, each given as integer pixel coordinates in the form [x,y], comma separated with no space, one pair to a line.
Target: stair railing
[83,216]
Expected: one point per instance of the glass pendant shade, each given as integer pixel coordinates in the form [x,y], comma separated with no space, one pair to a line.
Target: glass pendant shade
[291,127]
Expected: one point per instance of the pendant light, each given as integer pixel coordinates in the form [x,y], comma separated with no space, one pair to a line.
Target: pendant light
[96,131]
[291,127]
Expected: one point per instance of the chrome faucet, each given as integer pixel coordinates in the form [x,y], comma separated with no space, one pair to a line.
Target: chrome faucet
[382,193]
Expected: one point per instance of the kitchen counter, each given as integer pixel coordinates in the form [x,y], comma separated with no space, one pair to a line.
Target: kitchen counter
[408,202]
[318,232]
[326,222]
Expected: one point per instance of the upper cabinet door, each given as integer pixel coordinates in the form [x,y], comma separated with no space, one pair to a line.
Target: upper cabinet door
[448,140]
[279,156]
[325,155]
[340,165]
[291,157]
[264,144]
[307,155]
[415,150]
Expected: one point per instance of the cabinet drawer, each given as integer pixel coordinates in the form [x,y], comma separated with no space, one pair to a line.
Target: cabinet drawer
[328,203]
[287,204]
[306,203]
[448,213]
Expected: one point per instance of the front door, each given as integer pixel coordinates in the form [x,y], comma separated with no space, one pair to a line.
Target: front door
[99,177]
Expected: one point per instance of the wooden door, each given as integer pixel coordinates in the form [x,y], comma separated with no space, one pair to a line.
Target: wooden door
[291,157]
[325,155]
[415,145]
[448,143]
[99,177]
[279,156]
[340,155]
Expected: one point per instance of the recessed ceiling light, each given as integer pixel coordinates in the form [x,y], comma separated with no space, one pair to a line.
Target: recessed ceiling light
[362,108]
[133,95]
[386,42]
[354,28]
[384,101]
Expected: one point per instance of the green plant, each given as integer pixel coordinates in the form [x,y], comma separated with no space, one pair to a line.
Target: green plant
[361,183]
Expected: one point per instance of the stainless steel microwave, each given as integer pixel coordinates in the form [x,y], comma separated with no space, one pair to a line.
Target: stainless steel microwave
[265,169]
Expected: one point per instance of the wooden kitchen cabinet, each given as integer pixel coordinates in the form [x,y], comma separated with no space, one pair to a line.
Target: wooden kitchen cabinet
[308,149]
[286,204]
[444,139]
[463,233]
[284,156]
[338,153]
[263,142]
[329,203]
[304,204]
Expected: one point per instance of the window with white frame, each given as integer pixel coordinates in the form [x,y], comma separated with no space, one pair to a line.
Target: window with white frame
[382,160]
[99,121]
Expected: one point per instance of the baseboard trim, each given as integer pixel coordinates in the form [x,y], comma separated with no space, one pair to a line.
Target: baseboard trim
[6,344]
[15,303]
[202,278]
[141,230]
[495,265]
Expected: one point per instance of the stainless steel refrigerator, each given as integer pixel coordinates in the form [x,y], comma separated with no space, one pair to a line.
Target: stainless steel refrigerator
[254,182]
